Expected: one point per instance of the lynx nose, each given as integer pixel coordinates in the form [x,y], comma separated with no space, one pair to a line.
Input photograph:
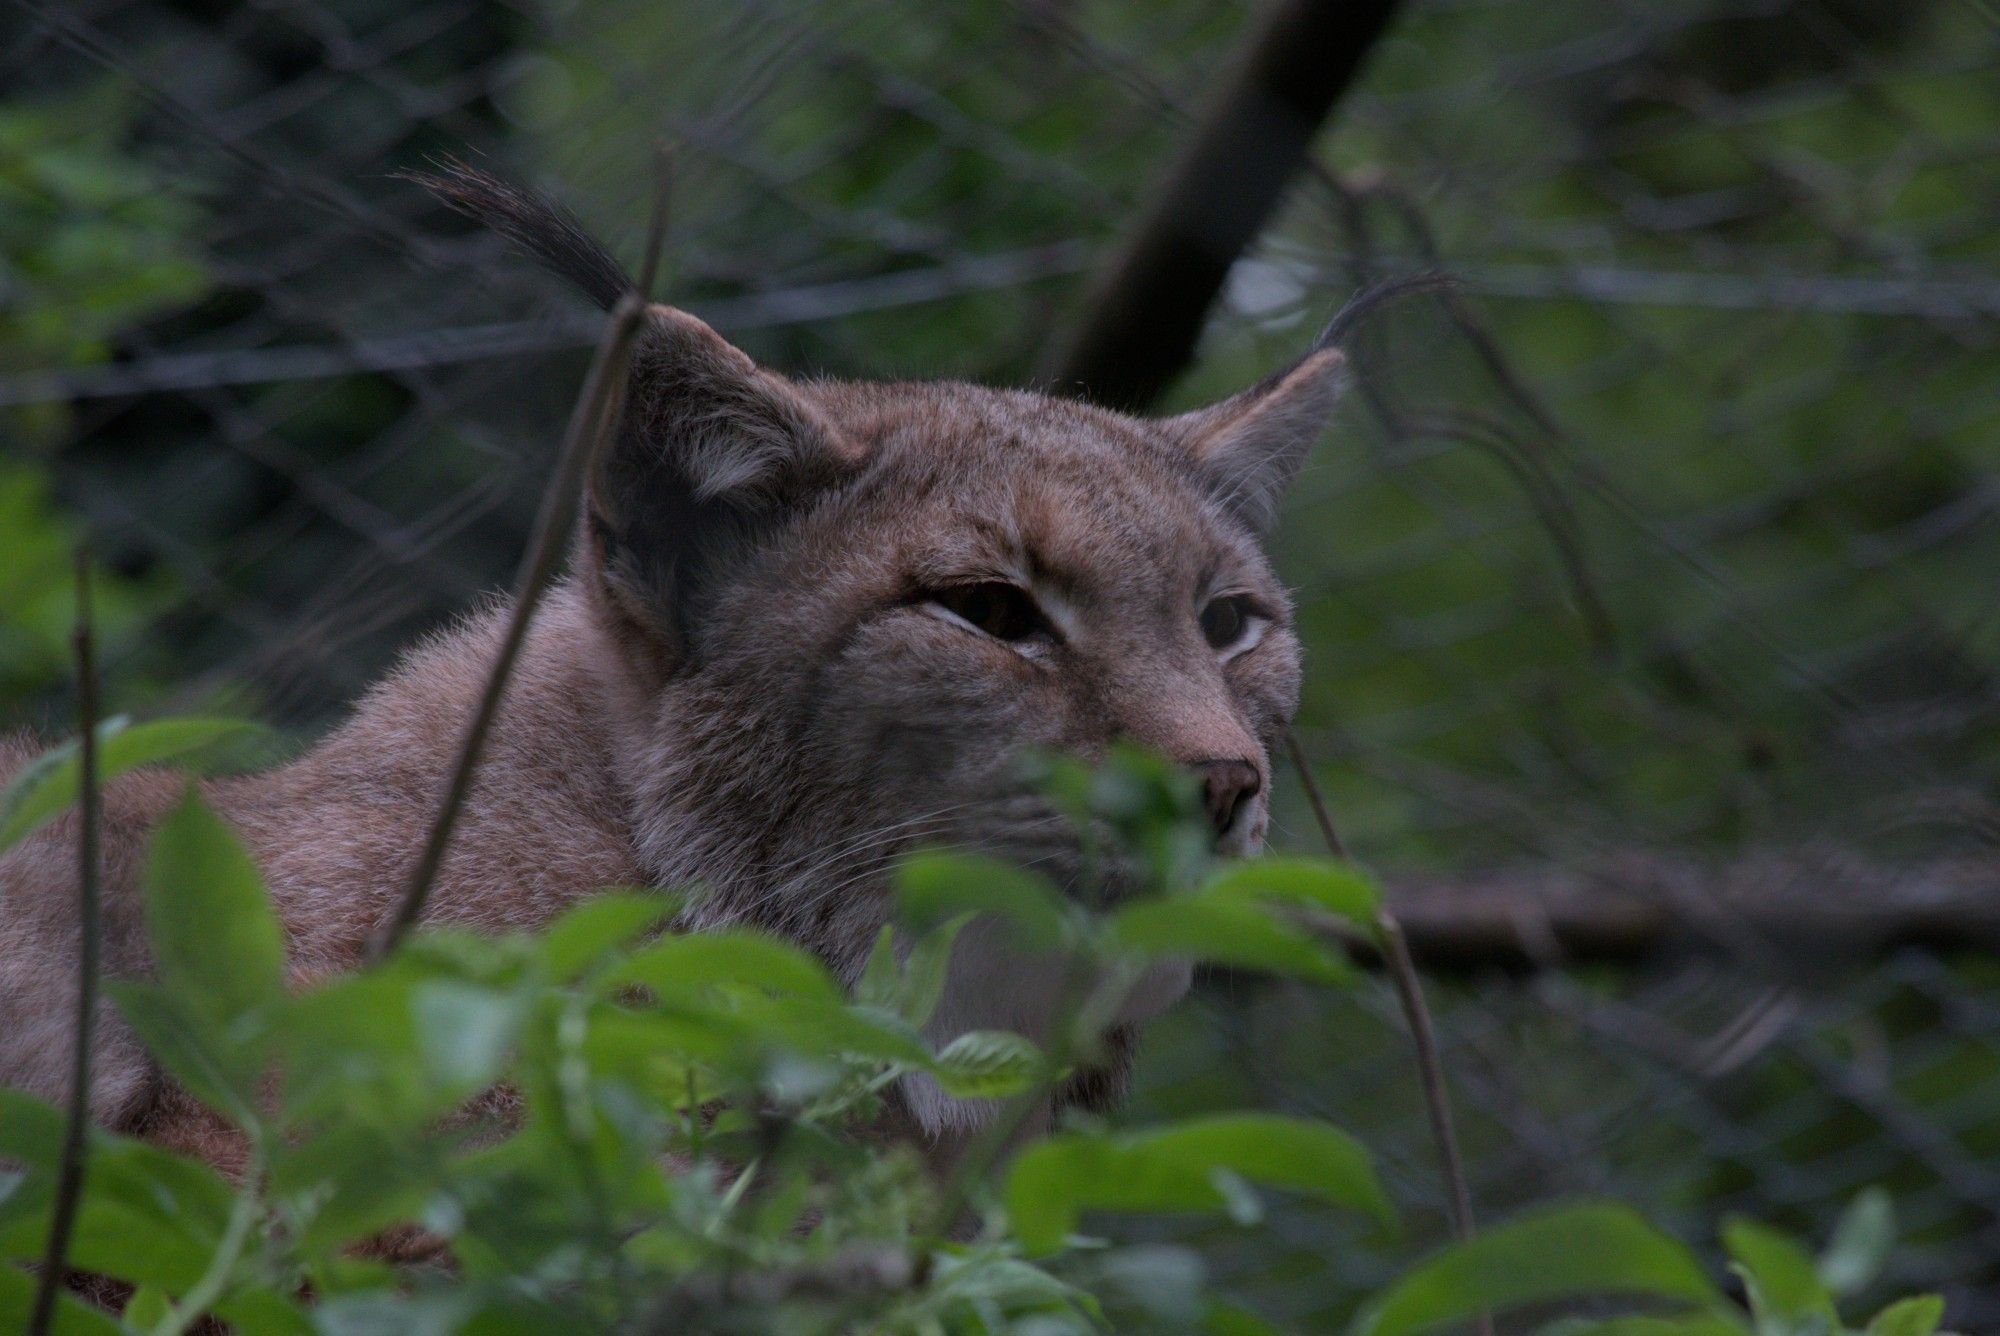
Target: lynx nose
[1228,786]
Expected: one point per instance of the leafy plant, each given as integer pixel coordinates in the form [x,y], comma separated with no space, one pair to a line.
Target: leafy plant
[608,1126]
[92,237]
[92,243]
[1595,1249]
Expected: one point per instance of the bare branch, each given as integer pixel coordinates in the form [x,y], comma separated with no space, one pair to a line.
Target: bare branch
[1831,910]
[76,1134]
[1146,312]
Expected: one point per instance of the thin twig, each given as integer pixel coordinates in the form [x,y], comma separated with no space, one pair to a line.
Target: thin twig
[69,1179]
[1410,993]
[595,416]
[214,1281]
[1334,844]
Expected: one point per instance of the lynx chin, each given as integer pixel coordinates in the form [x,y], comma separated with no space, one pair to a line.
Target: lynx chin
[808,626]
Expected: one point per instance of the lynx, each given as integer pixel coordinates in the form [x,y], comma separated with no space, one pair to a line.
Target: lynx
[808,625]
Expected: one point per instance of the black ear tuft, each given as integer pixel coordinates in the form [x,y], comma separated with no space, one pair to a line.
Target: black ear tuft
[542,229]
[1374,297]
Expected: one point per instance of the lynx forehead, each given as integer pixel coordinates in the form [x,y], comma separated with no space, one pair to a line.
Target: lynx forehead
[809,625]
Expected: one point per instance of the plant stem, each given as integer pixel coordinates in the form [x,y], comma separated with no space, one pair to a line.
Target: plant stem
[214,1282]
[594,417]
[1334,844]
[69,1179]
[1437,1101]
[1417,1015]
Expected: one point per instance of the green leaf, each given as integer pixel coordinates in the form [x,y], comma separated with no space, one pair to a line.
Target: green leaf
[342,1185]
[1227,1319]
[1915,1316]
[927,969]
[147,1216]
[600,925]
[1778,1273]
[1860,1244]
[1175,1167]
[218,947]
[1687,1324]
[441,1312]
[932,887]
[1579,1248]
[880,979]
[52,781]
[652,1052]
[817,1028]
[1319,883]
[221,1076]
[1160,1284]
[726,958]
[147,1308]
[987,1279]
[1225,932]
[31,1130]
[256,1311]
[143,1177]
[464,1031]
[987,1064]
[350,1048]
[73,1317]
[1138,791]
[110,1239]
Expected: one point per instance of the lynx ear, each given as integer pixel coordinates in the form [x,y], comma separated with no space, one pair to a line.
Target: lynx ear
[712,449]
[1251,444]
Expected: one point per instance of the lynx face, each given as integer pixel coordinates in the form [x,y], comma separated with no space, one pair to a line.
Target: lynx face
[810,626]
[989,572]
[845,611]
[1004,572]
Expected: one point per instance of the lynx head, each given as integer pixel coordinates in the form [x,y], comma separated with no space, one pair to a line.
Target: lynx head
[844,611]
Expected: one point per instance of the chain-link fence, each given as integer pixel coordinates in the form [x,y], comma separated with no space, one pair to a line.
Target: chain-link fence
[1651,585]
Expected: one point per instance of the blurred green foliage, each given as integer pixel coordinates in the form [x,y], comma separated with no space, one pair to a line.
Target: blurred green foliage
[90,243]
[684,1141]
[90,246]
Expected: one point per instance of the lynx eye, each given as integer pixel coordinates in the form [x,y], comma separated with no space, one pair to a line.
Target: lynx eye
[1230,622]
[1001,610]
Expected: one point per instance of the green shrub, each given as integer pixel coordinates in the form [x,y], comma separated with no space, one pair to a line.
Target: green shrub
[680,1151]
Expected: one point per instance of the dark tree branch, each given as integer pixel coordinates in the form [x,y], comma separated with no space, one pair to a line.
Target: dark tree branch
[1816,910]
[1148,306]
[76,1134]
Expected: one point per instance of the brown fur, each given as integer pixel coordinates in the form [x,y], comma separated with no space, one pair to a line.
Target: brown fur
[745,683]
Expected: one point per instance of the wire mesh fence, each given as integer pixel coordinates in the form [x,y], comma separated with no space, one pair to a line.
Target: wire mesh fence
[1652,570]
